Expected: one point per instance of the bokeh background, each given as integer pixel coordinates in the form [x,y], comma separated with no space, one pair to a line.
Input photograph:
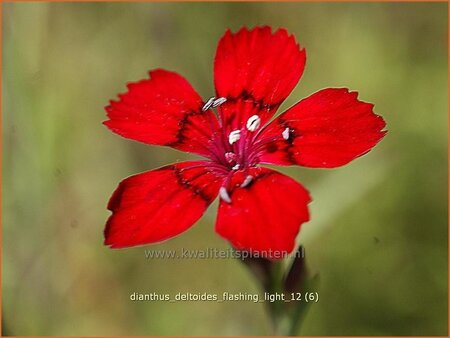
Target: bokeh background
[378,233]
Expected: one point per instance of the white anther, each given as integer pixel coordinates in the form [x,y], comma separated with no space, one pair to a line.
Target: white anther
[223,193]
[253,122]
[230,157]
[236,167]
[219,101]
[247,181]
[234,136]
[208,104]
[285,133]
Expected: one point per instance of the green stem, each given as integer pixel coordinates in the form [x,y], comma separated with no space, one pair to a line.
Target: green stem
[296,319]
[277,309]
[285,317]
[300,309]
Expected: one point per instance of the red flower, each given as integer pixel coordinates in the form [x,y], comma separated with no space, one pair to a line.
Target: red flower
[260,209]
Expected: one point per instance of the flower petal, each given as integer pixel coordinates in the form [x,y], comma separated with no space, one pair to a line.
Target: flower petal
[163,110]
[328,129]
[264,215]
[160,204]
[255,70]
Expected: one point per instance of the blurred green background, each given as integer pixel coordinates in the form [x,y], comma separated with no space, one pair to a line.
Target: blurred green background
[378,233]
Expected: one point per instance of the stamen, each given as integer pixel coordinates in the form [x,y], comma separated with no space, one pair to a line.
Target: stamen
[253,122]
[236,167]
[234,136]
[208,104]
[230,157]
[223,193]
[285,134]
[219,101]
[247,181]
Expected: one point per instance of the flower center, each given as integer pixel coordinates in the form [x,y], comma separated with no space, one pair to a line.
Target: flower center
[237,149]
[240,143]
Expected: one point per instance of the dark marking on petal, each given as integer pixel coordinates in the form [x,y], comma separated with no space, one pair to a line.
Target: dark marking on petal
[188,183]
[229,119]
[259,104]
[251,184]
[290,141]
[272,147]
[183,124]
